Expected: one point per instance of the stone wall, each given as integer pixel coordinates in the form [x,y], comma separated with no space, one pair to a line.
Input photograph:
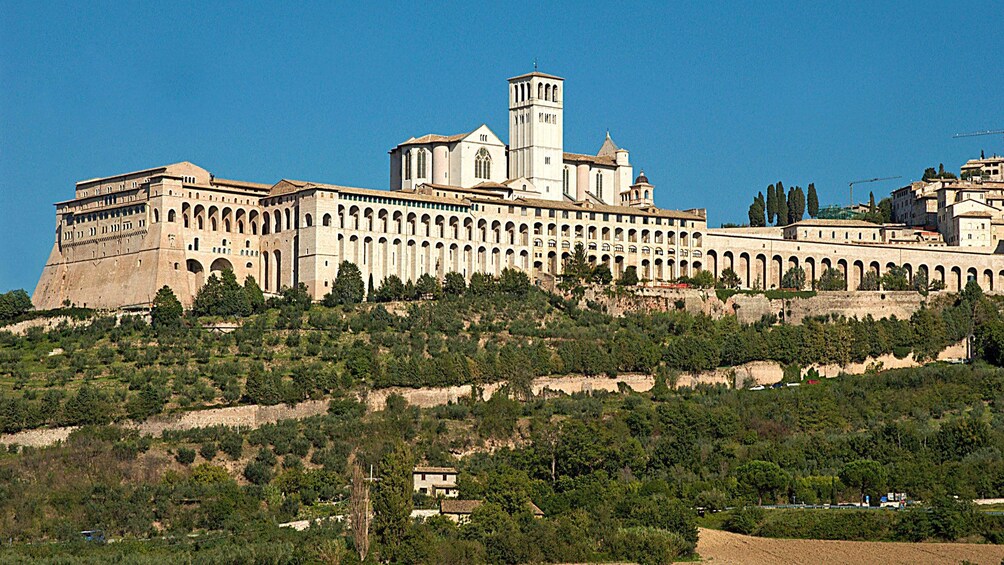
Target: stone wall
[750,308]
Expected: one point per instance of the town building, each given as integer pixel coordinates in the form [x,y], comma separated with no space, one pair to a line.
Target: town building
[435,481]
[460,510]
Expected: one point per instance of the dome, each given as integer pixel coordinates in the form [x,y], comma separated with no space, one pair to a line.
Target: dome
[641,178]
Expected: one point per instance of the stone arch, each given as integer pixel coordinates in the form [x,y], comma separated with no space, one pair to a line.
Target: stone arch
[858,275]
[220,265]
[156,215]
[326,220]
[266,279]
[712,256]
[940,276]
[171,215]
[776,267]
[955,282]
[196,274]
[278,271]
[988,280]
[308,221]
[744,270]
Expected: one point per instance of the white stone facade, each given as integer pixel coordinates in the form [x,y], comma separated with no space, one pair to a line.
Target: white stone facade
[467,204]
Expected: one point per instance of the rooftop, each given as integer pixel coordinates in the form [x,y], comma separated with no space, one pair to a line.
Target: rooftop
[436,470]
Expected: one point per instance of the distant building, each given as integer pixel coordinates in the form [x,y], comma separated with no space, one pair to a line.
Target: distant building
[436,481]
[986,169]
[460,510]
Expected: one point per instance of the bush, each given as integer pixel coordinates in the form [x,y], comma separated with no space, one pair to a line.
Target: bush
[185,455]
[208,451]
[649,546]
[745,520]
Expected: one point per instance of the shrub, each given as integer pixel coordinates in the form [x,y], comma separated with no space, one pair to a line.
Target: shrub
[745,520]
[185,455]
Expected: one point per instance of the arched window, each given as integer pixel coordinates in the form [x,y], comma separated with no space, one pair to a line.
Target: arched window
[170,215]
[308,220]
[326,220]
[288,223]
[565,180]
[156,215]
[554,94]
[407,165]
[422,158]
[599,185]
[547,92]
[483,164]
[540,91]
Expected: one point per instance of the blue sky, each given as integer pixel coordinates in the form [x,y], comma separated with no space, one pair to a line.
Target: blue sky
[714,100]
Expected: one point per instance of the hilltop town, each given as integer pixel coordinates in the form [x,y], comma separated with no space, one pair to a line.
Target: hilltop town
[469,203]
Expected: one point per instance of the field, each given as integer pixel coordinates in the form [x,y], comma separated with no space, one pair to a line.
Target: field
[716,546]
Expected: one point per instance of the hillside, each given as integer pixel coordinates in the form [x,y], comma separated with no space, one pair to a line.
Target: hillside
[617,475]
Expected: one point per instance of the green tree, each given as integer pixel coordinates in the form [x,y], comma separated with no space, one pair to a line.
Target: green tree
[729,279]
[577,268]
[14,303]
[794,278]
[166,311]
[482,284]
[601,274]
[771,204]
[865,475]
[782,205]
[630,276]
[762,478]
[813,201]
[255,297]
[871,203]
[756,212]
[895,278]
[392,501]
[885,210]
[427,286]
[832,279]
[870,281]
[348,286]
[514,282]
[796,205]
[390,289]
[454,284]
[929,336]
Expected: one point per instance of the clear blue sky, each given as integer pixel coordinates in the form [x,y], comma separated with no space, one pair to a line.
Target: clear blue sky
[714,100]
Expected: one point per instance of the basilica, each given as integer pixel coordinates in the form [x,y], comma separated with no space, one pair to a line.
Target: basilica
[461,203]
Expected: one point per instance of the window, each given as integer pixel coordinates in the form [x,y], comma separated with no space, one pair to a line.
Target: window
[599,185]
[407,166]
[482,164]
[564,180]
[547,160]
[422,158]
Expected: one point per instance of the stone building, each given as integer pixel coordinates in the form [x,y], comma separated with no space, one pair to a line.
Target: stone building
[467,203]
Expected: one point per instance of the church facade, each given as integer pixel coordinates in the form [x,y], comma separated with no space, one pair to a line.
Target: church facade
[465,203]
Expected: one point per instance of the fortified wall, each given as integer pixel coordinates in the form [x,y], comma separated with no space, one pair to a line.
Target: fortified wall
[750,308]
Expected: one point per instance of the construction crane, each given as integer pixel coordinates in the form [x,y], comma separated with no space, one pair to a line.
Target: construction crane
[978,133]
[863,181]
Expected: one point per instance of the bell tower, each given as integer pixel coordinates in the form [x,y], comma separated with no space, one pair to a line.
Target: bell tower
[536,136]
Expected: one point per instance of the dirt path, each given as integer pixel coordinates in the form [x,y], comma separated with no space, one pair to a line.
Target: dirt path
[716,546]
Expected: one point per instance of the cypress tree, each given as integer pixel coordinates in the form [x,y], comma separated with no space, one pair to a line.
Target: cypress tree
[392,501]
[771,205]
[782,206]
[871,202]
[813,201]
